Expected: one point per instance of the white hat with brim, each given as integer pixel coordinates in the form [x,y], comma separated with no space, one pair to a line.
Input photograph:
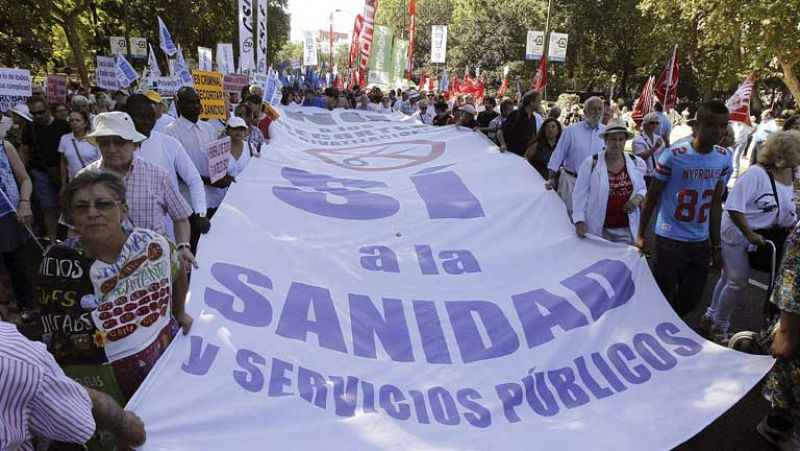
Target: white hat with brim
[236,122]
[22,111]
[468,108]
[115,123]
[616,125]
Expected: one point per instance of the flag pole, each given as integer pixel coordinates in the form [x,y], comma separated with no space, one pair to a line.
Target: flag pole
[547,40]
[27,226]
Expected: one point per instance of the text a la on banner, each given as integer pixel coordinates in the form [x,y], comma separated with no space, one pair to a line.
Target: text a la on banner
[373,282]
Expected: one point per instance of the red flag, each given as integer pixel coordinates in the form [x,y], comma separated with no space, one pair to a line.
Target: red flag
[666,87]
[645,103]
[356,36]
[422,82]
[412,31]
[739,103]
[503,88]
[370,6]
[338,82]
[540,79]
[430,84]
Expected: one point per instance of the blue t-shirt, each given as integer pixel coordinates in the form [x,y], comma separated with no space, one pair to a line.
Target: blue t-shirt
[690,178]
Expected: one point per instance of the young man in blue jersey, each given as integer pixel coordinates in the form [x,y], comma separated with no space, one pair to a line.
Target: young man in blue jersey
[687,192]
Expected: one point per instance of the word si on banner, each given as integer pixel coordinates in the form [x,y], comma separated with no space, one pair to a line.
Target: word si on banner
[212,99]
[106,72]
[219,153]
[438,43]
[55,88]
[424,316]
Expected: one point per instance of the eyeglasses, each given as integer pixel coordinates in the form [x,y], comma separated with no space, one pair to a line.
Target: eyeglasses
[107,141]
[101,205]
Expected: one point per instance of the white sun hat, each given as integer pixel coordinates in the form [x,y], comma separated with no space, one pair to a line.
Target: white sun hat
[115,123]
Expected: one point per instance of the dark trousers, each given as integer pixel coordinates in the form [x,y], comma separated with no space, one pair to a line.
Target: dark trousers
[17,268]
[195,229]
[681,271]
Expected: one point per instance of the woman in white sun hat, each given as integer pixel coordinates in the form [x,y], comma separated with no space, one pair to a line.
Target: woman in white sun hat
[609,189]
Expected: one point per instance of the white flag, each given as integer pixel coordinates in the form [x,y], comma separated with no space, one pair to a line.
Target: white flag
[152,63]
[261,67]
[181,71]
[245,36]
[167,45]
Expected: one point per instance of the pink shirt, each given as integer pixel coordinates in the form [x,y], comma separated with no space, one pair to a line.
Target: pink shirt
[36,398]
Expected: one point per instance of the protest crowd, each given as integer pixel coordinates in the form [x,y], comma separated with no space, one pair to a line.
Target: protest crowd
[104,198]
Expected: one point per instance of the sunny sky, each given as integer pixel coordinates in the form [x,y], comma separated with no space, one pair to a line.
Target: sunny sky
[315,14]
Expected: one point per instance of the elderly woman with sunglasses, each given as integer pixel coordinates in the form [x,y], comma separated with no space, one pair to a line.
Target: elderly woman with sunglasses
[112,296]
[649,145]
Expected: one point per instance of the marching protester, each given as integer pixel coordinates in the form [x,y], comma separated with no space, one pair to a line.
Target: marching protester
[520,128]
[385,107]
[254,137]
[544,145]
[665,127]
[39,152]
[114,255]
[162,118]
[49,405]
[506,107]
[442,117]
[767,126]
[76,151]
[422,115]
[241,150]
[166,152]
[741,136]
[578,142]
[20,118]
[782,384]
[689,210]
[60,111]
[364,103]
[15,214]
[609,189]
[151,201]
[310,99]
[761,199]
[194,135]
[466,117]
[649,145]
[488,114]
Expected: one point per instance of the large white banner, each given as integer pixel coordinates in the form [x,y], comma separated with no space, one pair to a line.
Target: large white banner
[376,284]
[438,43]
[309,48]
[261,60]
[246,46]
[534,45]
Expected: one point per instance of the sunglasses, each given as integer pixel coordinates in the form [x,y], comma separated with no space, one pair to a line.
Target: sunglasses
[101,205]
[36,113]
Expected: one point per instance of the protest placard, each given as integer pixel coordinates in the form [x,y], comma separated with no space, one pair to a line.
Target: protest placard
[219,152]
[232,84]
[15,82]
[209,87]
[168,86]
[56,88]
[106,73]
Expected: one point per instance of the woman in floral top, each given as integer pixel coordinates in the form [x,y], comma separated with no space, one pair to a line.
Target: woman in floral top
[782,385]
[111,298]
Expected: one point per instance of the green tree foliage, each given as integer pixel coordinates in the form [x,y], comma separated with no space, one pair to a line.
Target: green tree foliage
[66,35]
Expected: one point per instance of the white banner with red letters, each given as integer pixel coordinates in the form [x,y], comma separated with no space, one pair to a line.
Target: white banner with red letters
[372,283]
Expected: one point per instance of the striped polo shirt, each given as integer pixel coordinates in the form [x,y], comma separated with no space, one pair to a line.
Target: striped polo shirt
[36,398]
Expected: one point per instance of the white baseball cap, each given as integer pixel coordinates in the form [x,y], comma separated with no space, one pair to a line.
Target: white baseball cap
[468,108]
[115,123]
[236,122]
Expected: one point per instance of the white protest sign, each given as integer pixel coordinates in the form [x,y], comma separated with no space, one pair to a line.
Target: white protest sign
[219,153]
[438,43]
[309,48]
[168,86]
[139,47]
[246,44]
[261,80]
[204,59]
[106,73]
[118,44]
[15,82]
[225,63]
[372,284]
[534,45]
[558,47]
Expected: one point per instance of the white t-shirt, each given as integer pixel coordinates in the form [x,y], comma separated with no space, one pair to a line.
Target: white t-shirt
[752,195]
[88,153]
[643,143]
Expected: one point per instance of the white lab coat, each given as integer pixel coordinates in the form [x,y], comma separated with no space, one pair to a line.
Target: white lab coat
[590,197]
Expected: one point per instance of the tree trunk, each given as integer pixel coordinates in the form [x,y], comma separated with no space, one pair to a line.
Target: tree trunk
[69,23]
[790,78]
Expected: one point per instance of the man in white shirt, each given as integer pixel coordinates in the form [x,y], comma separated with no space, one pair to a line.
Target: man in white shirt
[167,152]
[767,127]
[162,118]
[195,135]
[423,115]
[578,142]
